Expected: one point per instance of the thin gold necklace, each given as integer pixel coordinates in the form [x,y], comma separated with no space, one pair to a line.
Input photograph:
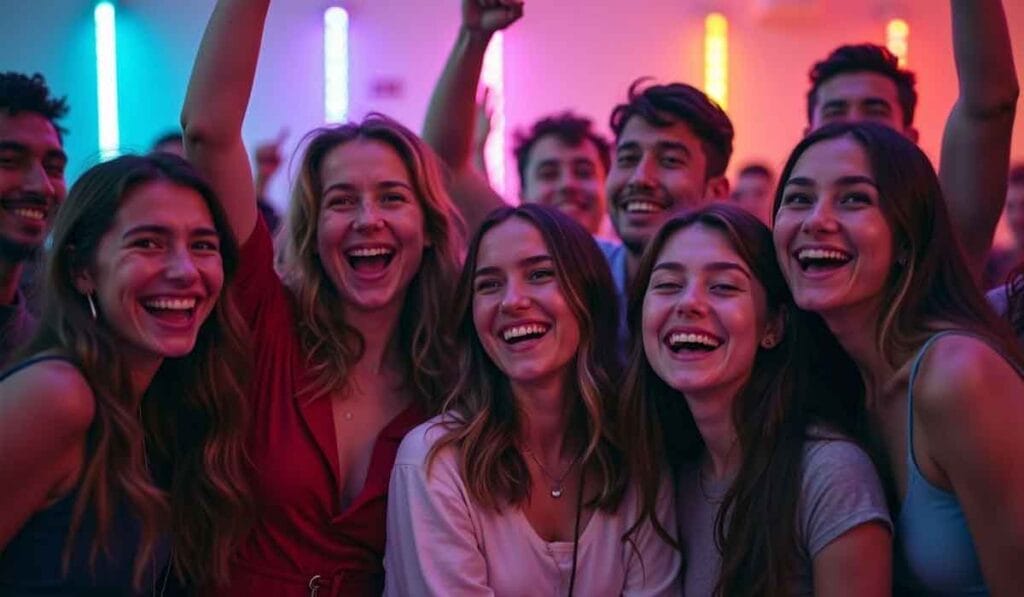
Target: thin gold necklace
[556,482]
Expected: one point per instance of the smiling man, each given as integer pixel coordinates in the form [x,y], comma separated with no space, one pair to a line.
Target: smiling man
[672,146]
[32,162]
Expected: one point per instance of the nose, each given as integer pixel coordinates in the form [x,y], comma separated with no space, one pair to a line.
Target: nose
[36,180]
[181,267]
[692,301]
[368,217]
[645,173]
[515,297]
[820,218]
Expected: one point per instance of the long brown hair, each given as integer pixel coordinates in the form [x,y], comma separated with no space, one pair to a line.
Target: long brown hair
[484,419]
[193,415]
[756,526]
[332,345]
[934,289]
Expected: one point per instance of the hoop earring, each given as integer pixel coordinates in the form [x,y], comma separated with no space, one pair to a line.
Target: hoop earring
[92,307]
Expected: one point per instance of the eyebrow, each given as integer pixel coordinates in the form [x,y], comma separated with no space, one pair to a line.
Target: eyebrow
[166,231]
[875,102]
[22,148]
[848,180]
[714,266]
[386,184]
[526,262]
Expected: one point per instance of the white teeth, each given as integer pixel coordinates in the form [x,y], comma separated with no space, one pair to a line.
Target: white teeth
[369,252]
[171,304]
[523,330]
[822,254]
[642,207]
[681,338]
[30,213]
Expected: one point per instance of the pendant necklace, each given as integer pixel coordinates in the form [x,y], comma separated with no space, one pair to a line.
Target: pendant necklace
[556,483]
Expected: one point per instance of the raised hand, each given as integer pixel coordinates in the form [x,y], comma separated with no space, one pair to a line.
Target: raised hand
[488,16]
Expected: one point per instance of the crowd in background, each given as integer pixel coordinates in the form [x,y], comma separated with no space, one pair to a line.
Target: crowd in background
[793,383]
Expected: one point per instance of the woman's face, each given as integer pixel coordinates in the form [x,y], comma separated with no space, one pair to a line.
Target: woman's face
[704,315]
[157,273]
[370,234]
[521,315]
[834,244]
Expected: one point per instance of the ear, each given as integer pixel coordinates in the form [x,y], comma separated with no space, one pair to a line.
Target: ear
[83,282]
[80,277]
[717,188]
[912,134]
[774,329]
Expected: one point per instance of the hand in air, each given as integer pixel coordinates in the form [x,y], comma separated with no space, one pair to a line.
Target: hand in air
[488,16]
[268,156]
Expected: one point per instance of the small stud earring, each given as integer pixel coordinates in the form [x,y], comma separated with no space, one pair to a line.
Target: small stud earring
[92,306]
[768,342]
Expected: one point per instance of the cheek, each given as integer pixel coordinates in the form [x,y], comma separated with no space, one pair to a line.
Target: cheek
[650,321]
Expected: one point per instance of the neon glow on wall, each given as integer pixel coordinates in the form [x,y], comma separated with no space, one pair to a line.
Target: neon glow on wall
[493,76]
[335,65]
[897,39]
[105,18]
[716,58]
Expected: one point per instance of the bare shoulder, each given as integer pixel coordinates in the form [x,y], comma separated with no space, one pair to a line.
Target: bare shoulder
[958,373]
[53,391]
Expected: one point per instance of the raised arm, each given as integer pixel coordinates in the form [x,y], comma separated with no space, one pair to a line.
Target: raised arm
[976,143]
[218,95]
[449,124]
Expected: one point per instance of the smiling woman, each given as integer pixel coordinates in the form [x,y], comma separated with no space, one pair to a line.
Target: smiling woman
[523,479]
[774,496]
[351,349]
[123,425]
[865,240]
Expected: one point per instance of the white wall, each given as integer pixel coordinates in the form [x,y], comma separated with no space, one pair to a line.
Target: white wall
[565,53]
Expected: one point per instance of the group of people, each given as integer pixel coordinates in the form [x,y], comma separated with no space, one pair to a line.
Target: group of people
[417,389]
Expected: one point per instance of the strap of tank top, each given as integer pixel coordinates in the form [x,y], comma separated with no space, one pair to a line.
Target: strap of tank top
[32,361]
[917,365]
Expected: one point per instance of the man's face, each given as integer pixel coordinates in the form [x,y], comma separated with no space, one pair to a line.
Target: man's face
[655,173]
[1015,213]
[860,97]
[570,179]
[753,192]
[32,184]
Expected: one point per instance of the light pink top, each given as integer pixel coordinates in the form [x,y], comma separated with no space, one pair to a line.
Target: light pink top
[441,543]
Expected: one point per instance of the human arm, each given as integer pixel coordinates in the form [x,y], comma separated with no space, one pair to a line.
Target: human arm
[215,105]
[432,546]
[653,566]
[448,127]
[481,131]
[976,142]
[268,161]
[45,413]
[845,524]
[969,409]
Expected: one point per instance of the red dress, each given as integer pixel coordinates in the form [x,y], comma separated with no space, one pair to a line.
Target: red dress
[300,531]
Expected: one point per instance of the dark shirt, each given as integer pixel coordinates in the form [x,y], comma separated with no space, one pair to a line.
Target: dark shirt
[32,561]
[16,327]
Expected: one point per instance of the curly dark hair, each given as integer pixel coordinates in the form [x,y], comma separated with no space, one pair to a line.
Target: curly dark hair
[22,93]
[858,58]
[571,129]
[662,105]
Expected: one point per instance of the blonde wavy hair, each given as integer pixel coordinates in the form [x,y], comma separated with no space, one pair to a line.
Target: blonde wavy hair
[331,345]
